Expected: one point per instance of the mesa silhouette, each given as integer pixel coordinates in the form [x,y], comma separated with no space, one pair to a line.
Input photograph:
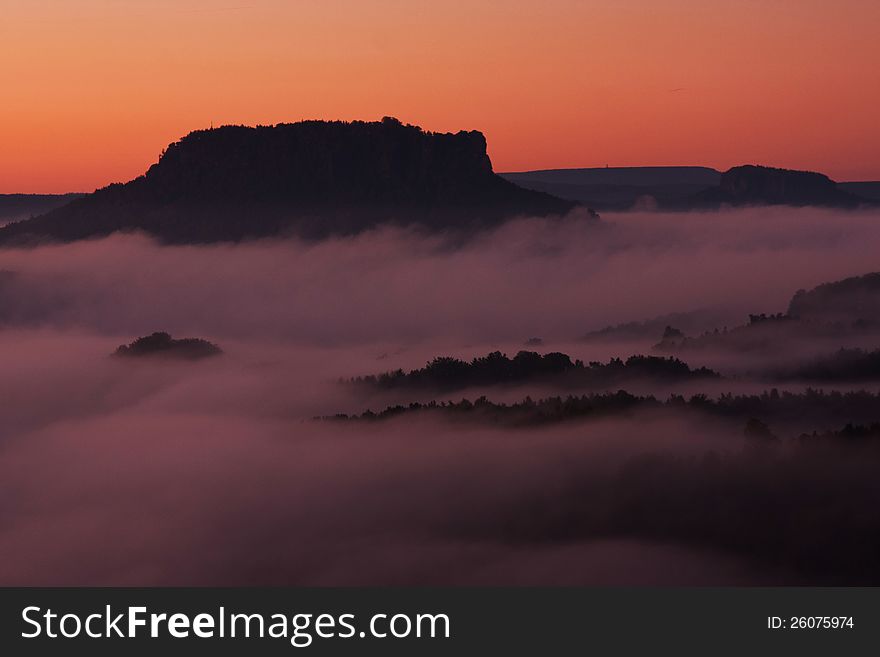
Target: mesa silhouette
[161,344]
[312,179]
[445,373]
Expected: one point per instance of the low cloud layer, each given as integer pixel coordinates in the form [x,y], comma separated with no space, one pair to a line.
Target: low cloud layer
[154,496]
[529,278]
[213,472]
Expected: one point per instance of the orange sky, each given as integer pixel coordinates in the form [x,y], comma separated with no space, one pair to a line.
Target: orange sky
[94,89]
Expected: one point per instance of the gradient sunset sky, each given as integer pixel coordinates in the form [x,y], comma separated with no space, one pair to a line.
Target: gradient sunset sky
[93,90]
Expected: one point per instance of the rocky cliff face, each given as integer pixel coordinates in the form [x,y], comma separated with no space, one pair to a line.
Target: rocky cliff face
[314,178]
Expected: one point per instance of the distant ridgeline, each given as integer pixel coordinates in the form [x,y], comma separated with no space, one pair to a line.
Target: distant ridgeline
[696,188]
[312,179]
[15,207]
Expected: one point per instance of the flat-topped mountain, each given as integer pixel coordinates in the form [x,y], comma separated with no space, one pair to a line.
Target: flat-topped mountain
[312,179]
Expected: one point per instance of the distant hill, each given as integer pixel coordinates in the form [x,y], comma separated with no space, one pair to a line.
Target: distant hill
[620,188]
[312,179]
[695,188]
[636,176]
[757,185]
[15,207]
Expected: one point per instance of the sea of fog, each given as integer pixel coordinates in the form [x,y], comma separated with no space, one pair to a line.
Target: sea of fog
[214,472]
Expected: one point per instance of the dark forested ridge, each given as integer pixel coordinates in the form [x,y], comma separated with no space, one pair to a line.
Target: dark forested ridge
[855,299]
[792,485]
[496,368]
[795,411]
[312,179]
